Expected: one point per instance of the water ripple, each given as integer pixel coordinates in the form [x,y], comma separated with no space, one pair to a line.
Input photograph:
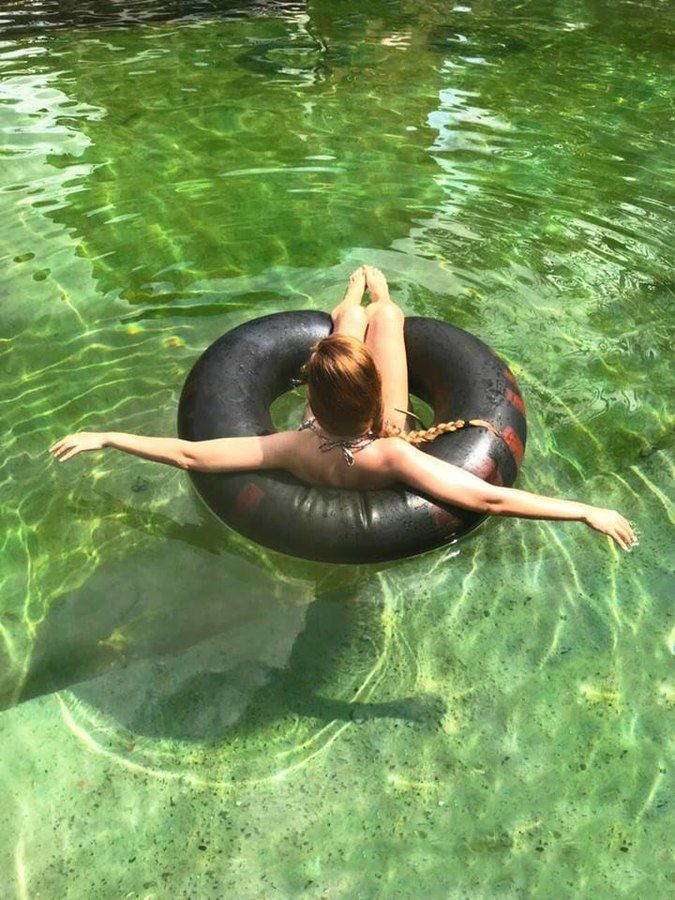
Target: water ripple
[171,170]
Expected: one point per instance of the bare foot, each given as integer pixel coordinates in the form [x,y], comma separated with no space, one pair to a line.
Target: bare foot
[377,284]
[349,317]
[356,286]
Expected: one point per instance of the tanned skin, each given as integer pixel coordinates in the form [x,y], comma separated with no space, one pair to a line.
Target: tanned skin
[381,463]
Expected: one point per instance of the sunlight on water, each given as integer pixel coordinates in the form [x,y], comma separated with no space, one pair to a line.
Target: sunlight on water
[188,714]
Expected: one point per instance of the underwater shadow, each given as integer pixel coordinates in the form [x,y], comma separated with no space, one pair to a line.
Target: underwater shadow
[216,692]
[224,639]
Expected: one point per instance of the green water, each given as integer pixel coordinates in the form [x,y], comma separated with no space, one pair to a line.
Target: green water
[188,715]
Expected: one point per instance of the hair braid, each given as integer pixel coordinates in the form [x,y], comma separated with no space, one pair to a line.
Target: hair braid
[430,434]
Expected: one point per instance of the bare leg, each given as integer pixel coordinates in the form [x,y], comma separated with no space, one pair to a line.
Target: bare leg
[349,317]
[384,337]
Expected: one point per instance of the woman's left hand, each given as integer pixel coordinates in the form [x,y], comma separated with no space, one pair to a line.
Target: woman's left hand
[73,444]
[612,523]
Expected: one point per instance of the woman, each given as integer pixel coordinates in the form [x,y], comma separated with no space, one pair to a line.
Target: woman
[357,380]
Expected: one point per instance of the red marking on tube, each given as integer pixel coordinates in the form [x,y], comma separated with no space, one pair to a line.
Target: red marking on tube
[515,400]
[512,378]
[445,520]
[488,470]
[248,499]
[514,443]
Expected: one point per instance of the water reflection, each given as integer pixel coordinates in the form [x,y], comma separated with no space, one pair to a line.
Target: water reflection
[43,15]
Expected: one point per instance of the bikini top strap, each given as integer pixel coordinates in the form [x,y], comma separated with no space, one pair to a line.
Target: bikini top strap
[308,423]
[348,447]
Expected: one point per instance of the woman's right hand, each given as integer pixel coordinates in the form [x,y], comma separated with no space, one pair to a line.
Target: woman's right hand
[609,521]
[73,444]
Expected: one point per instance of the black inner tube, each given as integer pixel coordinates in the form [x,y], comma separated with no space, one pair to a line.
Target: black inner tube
[233,384]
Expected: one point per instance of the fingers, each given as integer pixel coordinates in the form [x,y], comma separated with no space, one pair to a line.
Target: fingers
[628,536]
[623,535]
[618,540]
[626,542]
[59,450]
[627,533]
[64,449]
[59,447]
[70,453]
[632,533]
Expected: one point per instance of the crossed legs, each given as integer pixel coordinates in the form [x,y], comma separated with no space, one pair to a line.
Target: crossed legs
[380,325]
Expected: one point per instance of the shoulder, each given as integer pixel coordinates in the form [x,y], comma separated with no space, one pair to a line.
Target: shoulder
[398,455]
[280,446]
[286,439]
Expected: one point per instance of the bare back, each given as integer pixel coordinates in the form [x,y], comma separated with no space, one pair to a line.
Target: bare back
[310,464]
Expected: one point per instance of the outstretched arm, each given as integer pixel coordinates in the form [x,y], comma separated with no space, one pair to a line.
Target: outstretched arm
[218,455]
[454,485]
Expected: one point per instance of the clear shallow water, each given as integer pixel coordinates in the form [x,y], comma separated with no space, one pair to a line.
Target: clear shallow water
[186,714]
